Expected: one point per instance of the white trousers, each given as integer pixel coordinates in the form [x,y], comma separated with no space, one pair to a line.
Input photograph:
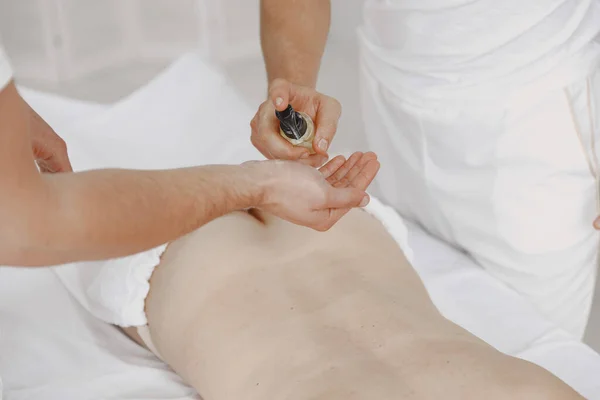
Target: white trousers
[506,181]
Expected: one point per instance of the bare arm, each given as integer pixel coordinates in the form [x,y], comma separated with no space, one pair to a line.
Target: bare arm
[48,219]
[57,218]
[293,37]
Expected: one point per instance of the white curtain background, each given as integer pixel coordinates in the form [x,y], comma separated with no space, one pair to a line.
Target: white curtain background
[62,40]
[103,50]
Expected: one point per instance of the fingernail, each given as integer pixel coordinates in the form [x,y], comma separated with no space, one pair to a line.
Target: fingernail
[278,101]
[323,144]
[364,201]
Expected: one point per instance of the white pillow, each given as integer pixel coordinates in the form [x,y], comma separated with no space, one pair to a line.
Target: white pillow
[193,115]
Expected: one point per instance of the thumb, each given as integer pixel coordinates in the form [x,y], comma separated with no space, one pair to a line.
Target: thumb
[326,123]
[54,152]
[60,163]
[280,93]
[346,198]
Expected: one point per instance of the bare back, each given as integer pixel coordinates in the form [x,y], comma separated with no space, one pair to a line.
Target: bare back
[252,307]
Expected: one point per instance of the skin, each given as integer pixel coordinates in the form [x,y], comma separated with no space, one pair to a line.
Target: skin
[54,218]
[253,307]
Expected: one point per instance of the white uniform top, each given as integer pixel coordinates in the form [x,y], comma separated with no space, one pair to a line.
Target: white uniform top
[5,70]
[441,49]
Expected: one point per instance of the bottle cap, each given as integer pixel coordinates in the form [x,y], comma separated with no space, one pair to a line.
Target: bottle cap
[291,122]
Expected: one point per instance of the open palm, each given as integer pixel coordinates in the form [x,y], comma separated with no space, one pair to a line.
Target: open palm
[315,198]
[358,171]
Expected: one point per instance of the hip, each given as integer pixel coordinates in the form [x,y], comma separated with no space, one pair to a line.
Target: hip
[511,173]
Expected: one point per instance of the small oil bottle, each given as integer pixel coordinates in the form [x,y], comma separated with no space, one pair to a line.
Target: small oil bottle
[296,127]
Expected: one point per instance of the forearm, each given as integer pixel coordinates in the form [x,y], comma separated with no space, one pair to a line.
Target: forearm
[293,38]
[111,213]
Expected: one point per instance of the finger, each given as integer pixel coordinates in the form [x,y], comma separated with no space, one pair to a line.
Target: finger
[256,139]
[53,165]
[49,166]
[357,168]
[280,93]
[53,156]
[343,170]
[279,148]
[314,160]
[326,121]
[337,213]
[259,145]
[332,166]
[344,198]
[366,175]
[597,223]
[43,166]
[59,162]
[270,143]
[59,158]
[369,155]
[323,220]
[64,166]
[264,152]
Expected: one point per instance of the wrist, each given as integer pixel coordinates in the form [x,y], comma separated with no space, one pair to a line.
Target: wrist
[255,179]
[306,80]
[259,176]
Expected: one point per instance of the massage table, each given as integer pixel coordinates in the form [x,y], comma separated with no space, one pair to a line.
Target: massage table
[51,348]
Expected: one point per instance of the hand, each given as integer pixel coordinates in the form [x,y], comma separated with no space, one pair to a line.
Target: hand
[316,198]
[325,112]
[49,149]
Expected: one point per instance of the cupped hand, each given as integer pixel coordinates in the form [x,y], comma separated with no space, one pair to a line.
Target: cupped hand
[316,198]
[325,112]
